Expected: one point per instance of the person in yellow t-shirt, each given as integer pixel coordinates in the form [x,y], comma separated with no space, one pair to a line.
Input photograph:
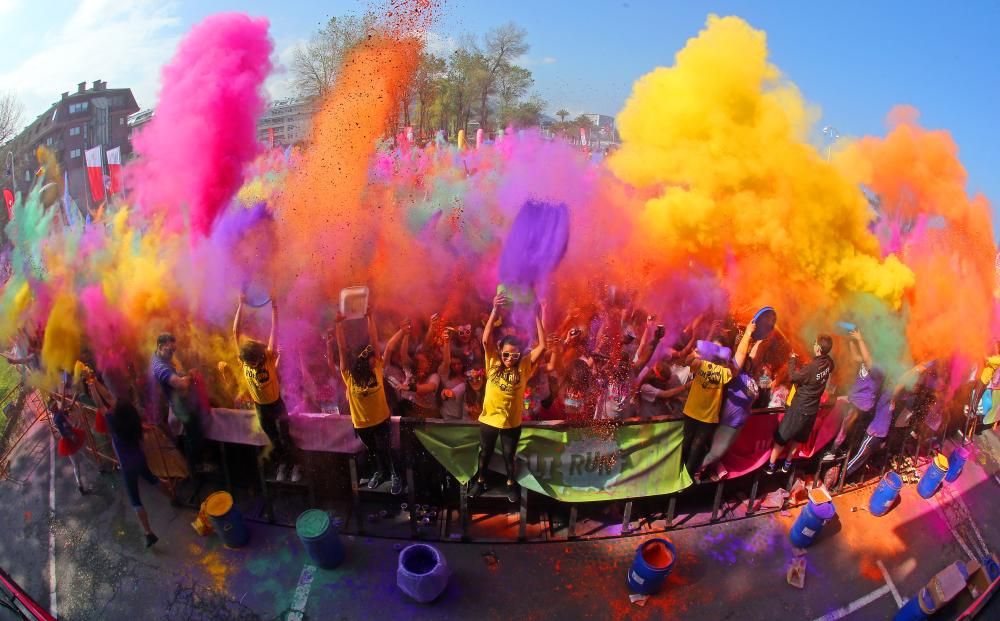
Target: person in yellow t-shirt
[507,375]
[364,379]
[260,370]
[711,372]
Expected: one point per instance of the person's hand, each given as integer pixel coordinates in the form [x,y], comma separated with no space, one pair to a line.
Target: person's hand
[552,340]
[855,334]
[499,301]
[339,318]
[447,394]
[751,328]
[406,326]
[716,326]
[435,319]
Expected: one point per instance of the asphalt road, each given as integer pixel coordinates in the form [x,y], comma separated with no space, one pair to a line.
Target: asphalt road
[733,570]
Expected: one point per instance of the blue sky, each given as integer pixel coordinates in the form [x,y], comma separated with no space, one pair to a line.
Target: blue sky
[855,60]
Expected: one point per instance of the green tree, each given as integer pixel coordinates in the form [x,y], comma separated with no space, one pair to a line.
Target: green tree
[503,45]
[562,114]
[316,64]
[428,84]
[512,83]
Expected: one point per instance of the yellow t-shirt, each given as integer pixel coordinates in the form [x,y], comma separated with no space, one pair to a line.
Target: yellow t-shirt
[368,404]
[705,399]
[503,402]
[262,383]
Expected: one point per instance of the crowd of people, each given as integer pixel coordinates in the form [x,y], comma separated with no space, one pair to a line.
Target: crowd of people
[596,365]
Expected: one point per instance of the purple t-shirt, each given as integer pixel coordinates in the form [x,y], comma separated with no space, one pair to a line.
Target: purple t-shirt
[864,393]
[740,395]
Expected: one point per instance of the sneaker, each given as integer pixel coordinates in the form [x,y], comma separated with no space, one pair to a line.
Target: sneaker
[395,485]
[375,481]
[829,456]
[771,468]
[477,488]
[296,474]
[513,493]
[279,476]
[786,467]
[151,539]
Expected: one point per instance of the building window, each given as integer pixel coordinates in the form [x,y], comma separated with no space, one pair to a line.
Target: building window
[74,131]
[121,120]
[78,107]
[48,141]
[74,153]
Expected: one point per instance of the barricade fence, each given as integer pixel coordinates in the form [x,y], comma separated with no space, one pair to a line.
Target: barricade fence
[570,463]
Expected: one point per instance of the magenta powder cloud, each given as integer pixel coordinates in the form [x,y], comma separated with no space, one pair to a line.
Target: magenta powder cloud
[192,154]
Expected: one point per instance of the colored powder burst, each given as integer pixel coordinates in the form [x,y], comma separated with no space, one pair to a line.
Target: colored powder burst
[723,135]
[193,152]
[918,177]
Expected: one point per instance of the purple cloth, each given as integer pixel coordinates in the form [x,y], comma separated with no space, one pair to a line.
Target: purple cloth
[535,245]
[740,395]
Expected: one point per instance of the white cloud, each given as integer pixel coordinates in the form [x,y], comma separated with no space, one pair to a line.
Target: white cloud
[279,84]
[527,61]
[442,45]
[123,42]
[8,6]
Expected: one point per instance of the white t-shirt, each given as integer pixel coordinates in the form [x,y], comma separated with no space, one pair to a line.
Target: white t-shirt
[454,408]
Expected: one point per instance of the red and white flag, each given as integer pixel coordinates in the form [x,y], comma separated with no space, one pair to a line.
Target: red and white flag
[95,173]
[115,170]
[583,136]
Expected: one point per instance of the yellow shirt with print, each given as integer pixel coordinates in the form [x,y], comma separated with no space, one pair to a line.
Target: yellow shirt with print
[368,404]
[503,401]
[705,399]
[262,382]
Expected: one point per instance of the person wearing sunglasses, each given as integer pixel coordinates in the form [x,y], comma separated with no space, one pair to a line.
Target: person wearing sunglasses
[363,375]
[508,370]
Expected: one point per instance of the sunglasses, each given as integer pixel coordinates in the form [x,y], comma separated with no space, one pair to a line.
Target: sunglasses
[475,375]
[511,355]
[466,331]
[366,352]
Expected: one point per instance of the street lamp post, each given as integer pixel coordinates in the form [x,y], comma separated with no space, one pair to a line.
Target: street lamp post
[830,132]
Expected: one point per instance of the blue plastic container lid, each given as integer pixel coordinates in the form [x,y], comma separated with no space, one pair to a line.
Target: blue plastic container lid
[766,318]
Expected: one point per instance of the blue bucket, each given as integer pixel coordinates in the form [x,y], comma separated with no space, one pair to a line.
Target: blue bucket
[226,520]
[956,461]
[917,608]
[885,494]
[319,537]
[422,572]
[654,560]
[810,522]
[930,483]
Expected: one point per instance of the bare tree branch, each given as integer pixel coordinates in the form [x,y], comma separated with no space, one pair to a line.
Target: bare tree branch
[11,111]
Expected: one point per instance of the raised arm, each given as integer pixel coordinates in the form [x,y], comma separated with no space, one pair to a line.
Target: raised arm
[444,369]
[341,343]
[331,336]
[236,322]
[372,328]
[744,347]
[272,340]
[539,349]
[432,332]
[859,341]
[498,302]
[394,342]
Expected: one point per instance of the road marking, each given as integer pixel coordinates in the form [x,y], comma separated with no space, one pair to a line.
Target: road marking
[891,584]
[53,607]
[301,595]
[857,604]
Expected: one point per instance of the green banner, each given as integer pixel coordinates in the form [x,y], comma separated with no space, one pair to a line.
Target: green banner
[575,464]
